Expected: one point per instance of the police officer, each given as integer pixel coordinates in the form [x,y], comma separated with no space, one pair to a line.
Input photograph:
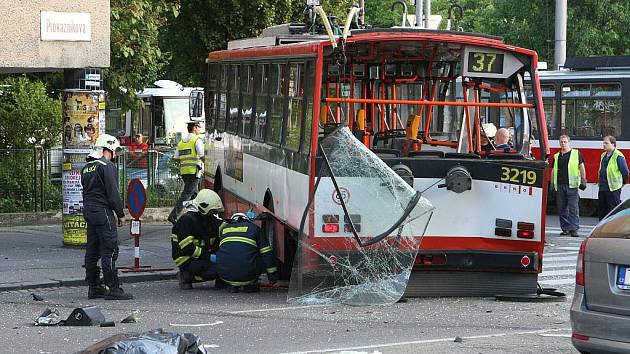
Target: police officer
[102,207]
[190,152]
[194,239]
[244,254]
[613,174]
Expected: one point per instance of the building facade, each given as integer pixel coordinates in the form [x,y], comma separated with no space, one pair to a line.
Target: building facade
[51,35]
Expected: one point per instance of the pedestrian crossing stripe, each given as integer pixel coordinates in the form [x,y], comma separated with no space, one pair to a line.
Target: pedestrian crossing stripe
[558,265]
[557,272]
[557,281]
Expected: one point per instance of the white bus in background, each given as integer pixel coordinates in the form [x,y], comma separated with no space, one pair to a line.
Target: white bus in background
[161,116]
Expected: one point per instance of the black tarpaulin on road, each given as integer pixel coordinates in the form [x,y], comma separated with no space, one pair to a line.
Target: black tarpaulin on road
[156,341]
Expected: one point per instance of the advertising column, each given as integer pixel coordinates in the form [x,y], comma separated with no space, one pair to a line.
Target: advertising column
[83,120]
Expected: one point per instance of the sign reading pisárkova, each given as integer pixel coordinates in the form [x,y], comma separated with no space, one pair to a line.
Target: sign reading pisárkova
[83,115]
[66,26]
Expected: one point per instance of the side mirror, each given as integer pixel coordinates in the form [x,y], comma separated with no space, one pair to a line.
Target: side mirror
[195,104]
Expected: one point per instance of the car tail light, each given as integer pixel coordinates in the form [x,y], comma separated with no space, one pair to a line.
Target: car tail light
[330,228]
[525,226]
[579,267]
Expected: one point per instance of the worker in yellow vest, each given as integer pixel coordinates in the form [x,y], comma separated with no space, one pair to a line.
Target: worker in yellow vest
[613,174]
[190,152]
[569,174]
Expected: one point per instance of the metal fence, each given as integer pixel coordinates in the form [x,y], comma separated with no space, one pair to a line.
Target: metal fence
[25,184]
[157,170]
[31,179]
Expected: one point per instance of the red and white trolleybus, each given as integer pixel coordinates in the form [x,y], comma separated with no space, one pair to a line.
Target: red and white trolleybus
[270,100]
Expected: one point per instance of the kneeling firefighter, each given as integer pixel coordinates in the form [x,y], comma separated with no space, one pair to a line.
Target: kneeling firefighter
[244,254]
[194,237]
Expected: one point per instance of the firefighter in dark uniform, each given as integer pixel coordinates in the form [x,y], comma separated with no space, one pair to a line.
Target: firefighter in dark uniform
[194,238]
[244,254]
[103,212]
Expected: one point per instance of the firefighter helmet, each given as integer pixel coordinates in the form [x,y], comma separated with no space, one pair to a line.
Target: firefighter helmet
[237,216]
[104,141]
[207,200]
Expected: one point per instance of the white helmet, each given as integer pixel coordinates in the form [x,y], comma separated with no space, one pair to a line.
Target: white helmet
[104,141]
[237,216]
[207,200]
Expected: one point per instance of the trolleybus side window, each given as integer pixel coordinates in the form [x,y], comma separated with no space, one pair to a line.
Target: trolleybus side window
[233,98]
[277,95]
[549,105]
[591,110]
[261,86]
[212,97]
[247,106]
[296,105]
[222,98]
[309,81]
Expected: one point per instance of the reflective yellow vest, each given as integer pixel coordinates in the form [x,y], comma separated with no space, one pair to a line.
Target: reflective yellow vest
[574,169]
[188,158]
[613,174]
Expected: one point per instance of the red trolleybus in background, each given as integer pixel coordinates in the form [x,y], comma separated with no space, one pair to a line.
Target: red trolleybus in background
[587,100]
[270,100]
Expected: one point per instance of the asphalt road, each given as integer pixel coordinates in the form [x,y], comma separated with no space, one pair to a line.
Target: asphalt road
[265,323]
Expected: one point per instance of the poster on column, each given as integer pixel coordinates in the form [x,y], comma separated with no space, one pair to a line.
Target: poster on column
[83,120]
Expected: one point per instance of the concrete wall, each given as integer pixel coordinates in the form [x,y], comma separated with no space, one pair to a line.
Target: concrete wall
[21,47]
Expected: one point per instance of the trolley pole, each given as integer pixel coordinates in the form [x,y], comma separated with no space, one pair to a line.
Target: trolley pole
[560,47]
[419,21]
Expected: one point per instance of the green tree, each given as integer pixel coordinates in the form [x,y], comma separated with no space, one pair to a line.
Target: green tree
[136,58]
[598,27]
[28,116]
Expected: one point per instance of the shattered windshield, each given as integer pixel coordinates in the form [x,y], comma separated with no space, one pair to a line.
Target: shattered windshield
[362,255]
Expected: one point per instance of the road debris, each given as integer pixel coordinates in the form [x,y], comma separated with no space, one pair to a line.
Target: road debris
[156,341]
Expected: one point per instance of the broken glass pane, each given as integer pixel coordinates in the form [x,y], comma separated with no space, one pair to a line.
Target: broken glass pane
[332,264]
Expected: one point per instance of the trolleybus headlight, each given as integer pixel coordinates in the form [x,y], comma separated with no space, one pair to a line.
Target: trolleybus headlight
[458,179]
[404,172]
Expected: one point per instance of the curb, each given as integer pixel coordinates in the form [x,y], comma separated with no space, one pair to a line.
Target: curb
[71,282]
[55,217]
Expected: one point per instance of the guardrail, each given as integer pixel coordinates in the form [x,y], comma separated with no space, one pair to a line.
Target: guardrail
[31,179]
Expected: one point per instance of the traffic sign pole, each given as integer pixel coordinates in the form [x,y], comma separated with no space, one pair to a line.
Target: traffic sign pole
[136,202]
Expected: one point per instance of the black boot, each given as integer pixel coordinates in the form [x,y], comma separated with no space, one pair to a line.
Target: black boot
[220,283]
[185,280]
[115,292]
[250,288]
[96,289]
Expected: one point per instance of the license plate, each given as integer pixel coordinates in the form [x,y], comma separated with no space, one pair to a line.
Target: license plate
[623,277]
